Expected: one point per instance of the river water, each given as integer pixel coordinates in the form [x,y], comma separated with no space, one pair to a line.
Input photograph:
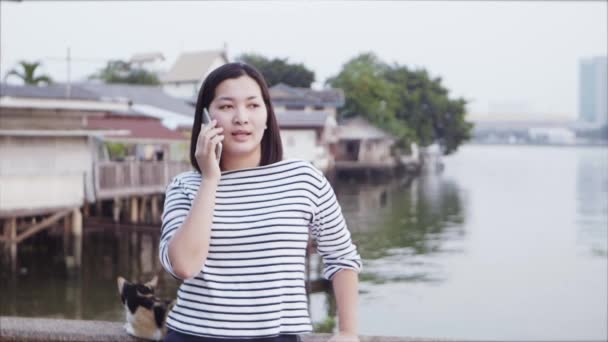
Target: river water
[506,243]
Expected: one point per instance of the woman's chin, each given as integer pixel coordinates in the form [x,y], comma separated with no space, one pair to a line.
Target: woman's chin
[239,151]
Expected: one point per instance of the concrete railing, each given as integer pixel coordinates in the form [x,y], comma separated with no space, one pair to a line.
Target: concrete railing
[44,329]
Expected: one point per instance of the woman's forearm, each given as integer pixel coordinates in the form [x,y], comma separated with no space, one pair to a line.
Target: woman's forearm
[346,289]
[189,245]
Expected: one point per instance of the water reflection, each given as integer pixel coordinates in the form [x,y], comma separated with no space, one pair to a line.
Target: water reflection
[592,203]
[393,224]
[398,228]
[495,217]
[45,287]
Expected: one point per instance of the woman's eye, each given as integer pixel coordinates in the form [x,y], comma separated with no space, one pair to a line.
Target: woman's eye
[223,107]
[254,105]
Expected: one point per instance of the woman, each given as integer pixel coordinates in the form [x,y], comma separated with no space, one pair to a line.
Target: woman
[236,231]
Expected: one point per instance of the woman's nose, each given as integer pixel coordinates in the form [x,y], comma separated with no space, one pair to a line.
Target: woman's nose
[240,115]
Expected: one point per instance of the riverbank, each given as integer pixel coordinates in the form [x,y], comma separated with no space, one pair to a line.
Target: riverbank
[44,329]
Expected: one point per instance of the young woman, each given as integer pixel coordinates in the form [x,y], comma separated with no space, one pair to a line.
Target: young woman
[236,231]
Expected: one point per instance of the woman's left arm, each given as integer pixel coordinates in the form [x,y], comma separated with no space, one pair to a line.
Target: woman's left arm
[346,289]
[342,262]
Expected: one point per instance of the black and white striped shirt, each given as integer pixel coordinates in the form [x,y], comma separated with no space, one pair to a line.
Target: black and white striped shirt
[252,282]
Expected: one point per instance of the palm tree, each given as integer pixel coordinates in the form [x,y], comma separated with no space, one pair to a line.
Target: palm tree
[28,74]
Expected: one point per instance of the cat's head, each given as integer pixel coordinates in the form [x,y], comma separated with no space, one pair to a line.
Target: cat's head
[135,294]
[145,313]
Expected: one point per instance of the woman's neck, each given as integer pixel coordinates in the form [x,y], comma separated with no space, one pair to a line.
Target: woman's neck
[241,162]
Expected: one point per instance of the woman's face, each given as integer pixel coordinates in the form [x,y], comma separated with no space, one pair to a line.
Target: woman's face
[239,108]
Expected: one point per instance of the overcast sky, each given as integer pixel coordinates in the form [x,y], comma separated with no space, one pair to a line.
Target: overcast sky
[519,58]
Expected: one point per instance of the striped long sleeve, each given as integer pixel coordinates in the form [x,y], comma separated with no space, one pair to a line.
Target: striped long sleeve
[330,231]
[176,208]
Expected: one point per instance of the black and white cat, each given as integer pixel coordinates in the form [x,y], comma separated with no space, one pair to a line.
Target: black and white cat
[145,313]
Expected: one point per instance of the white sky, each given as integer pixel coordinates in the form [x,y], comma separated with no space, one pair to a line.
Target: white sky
[519,58]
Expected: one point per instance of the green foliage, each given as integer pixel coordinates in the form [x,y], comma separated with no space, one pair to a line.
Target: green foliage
[368,93]
[327,326]
[117,151]
[277,70]
[407,103]
[118,71]
[28,74]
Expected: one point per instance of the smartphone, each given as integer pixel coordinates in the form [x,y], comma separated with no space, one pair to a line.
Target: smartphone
[218,147]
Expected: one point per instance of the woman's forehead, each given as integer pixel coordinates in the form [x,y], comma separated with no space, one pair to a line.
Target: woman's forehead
[242,88]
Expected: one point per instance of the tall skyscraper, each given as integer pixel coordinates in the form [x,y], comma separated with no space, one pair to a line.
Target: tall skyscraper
[593,90]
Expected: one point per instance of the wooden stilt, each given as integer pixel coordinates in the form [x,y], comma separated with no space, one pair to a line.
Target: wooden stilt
[86,210]
[134,210]
[155,257]
[133,252]
[76,222]
[143,208]
[12,241]
[67,230]
[77,250]
[139,252]
[154,209]
[44,224]
[5,233]
[98,208]
[116,207]
[77,234]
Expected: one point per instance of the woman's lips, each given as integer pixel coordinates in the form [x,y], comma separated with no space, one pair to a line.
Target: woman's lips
[240,136]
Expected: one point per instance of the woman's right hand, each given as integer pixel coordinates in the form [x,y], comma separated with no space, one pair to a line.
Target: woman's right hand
[205,156]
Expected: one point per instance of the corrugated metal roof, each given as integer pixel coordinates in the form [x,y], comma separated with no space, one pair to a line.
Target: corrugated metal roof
[139,127]
[140,94]
[123,93]
[52,91]
[192,66]
[60,132]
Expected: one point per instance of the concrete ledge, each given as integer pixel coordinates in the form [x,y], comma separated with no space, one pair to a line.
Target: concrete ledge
[44,329]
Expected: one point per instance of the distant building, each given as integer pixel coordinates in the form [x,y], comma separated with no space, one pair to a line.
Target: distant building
[552,135]
[150,61]
[307,118]
[593,90]
[186,76]
[54,148]
[362,144]
[288,98]
[308,135]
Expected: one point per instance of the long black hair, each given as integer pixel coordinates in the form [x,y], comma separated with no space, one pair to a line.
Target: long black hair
[272,147]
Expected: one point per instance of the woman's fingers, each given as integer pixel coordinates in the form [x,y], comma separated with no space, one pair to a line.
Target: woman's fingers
[210,133]
[209,137]
[209,126]
[214,141]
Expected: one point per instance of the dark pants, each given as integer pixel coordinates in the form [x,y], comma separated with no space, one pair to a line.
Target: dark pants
[175,336]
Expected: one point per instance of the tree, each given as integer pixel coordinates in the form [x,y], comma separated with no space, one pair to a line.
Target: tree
[369,94]
[425,106]
[28,74]
[277,70]
[409,103]
[117,71]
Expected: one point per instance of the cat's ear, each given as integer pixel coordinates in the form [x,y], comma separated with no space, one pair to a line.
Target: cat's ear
[121,282]
[152,283]
[121,288]
[159,314]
